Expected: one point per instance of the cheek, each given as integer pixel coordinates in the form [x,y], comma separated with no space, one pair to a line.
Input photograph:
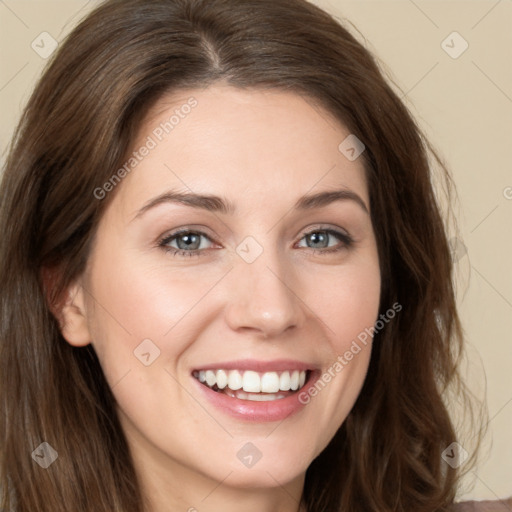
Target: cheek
[348,306]
[133,302]
[347,301]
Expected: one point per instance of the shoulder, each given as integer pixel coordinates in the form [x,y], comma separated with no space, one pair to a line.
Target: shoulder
[484,506]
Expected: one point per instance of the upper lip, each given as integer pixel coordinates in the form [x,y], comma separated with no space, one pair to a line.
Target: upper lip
[276,365]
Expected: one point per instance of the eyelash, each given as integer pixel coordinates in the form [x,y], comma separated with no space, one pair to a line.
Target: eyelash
[346,239]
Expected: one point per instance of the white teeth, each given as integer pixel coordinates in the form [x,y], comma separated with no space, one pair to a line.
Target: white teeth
[270,382]
[302,379]
[284,381]
[256,397]
[251,381]
[234,380]
[294,380]
[210,378]
[222,379]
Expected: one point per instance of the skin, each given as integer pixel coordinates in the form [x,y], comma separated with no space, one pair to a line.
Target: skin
[262,150]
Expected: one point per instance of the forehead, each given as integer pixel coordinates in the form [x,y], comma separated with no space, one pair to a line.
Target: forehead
[245,144]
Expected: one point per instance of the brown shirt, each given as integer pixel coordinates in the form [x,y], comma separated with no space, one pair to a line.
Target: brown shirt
[484,506]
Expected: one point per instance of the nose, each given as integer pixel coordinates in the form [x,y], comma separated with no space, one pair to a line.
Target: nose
[263,298]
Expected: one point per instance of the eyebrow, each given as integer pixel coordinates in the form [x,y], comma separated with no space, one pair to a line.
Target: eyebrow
[218,204]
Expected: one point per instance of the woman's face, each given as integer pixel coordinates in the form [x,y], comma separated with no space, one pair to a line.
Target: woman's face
[265,284]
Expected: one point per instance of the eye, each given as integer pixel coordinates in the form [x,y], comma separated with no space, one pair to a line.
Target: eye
[188,243]
[319,240]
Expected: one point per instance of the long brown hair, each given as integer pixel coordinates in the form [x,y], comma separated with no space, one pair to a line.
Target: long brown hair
[74,134]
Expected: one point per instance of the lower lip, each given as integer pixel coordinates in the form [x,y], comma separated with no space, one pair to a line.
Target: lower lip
[275,410]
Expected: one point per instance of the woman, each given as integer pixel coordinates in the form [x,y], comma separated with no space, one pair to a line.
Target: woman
[226,281]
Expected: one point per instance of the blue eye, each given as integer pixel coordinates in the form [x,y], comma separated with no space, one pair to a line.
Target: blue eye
[189,242]
[322,236]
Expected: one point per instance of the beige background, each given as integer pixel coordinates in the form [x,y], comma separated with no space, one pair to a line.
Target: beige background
[465,106]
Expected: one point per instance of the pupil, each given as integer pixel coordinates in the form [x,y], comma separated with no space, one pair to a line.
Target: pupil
[190,238]
[318,237]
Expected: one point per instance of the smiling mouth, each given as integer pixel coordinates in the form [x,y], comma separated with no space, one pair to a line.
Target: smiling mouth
[254,386]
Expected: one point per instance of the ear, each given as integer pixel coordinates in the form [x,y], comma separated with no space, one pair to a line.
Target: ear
[69,309]
[73,317]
